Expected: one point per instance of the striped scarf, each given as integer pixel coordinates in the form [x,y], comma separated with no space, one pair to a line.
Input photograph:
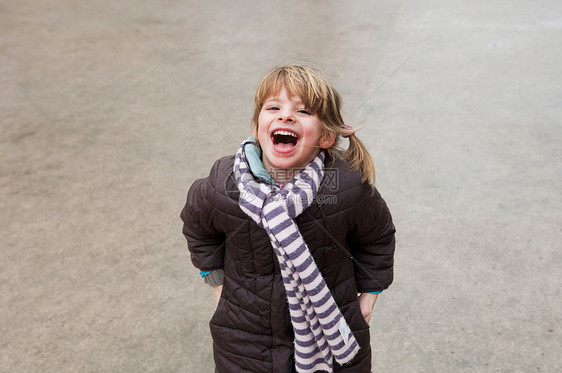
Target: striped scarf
[321,332]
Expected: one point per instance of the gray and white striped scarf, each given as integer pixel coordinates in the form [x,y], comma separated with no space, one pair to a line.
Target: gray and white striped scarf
[321,332]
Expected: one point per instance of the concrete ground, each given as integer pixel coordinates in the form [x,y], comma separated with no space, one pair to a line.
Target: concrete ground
[109,110]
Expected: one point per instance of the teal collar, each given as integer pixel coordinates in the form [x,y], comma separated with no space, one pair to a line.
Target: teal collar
[253,155]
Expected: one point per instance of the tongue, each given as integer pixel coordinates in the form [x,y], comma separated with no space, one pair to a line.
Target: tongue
[284,146]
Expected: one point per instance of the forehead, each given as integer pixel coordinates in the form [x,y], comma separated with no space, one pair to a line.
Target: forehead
[283,94]
[303,91]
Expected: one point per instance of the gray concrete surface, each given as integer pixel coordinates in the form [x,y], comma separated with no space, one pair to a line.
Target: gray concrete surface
[111,109]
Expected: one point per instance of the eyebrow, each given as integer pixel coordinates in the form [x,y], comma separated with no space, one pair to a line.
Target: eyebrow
[299,100]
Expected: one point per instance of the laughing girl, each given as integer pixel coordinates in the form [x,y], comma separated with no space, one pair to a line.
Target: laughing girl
[292,235]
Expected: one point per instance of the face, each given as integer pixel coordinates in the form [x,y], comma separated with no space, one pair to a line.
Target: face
[289,135]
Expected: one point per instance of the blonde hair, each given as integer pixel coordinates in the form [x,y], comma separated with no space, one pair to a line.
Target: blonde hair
[321,99]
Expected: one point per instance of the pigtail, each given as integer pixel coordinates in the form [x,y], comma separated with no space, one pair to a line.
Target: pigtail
[356,153]
[360,159]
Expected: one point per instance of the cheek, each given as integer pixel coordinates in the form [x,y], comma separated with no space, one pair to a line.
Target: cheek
[315,131]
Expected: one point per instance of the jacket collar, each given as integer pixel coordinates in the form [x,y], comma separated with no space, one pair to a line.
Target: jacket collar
[253,155]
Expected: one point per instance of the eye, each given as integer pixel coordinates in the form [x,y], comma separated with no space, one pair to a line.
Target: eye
[303,111]
[272,108]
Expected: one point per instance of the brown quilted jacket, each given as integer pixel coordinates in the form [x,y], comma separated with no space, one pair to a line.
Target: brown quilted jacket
[350,234]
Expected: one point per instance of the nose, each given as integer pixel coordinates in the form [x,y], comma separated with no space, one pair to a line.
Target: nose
[285,117]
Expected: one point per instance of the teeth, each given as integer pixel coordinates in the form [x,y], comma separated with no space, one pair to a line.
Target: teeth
[285,133]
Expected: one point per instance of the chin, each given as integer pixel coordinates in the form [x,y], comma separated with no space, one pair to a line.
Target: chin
[283,164]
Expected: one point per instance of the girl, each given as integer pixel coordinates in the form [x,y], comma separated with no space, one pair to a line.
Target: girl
[288,232]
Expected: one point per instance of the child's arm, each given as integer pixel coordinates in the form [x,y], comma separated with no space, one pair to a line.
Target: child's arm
[205,240]
[218,292]
[367,304]
[371,239]
[215,280]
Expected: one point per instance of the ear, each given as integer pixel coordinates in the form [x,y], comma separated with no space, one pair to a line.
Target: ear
[255,132]
[327,140]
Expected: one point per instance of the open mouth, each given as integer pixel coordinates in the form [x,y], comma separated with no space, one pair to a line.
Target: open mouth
[284,141]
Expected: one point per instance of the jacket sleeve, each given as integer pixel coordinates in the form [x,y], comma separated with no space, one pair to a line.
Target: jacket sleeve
[205,241]
[372,242]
